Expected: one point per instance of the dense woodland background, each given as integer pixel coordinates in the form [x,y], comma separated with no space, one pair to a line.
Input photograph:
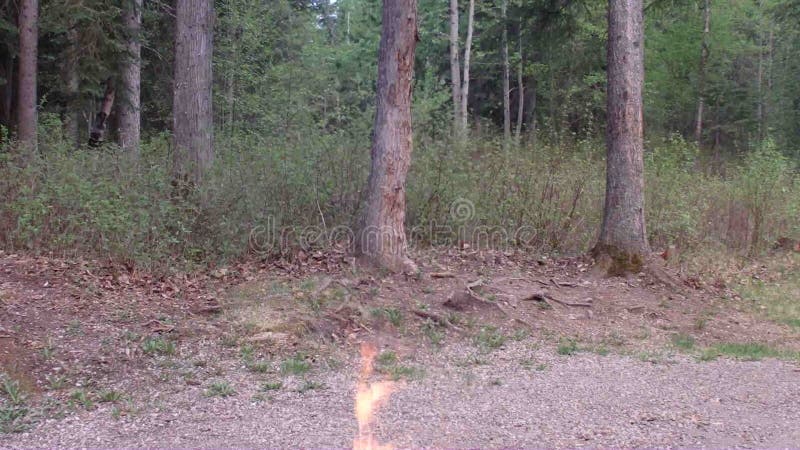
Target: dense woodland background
[293,106]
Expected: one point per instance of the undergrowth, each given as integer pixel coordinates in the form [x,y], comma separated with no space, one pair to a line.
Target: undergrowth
[265,197]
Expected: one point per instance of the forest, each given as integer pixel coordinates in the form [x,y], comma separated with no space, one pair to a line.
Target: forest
[411,223]
[509,113]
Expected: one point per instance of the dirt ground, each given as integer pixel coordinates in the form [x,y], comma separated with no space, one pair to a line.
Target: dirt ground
[489,350]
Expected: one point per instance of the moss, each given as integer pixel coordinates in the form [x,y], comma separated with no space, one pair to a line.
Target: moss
[616,261]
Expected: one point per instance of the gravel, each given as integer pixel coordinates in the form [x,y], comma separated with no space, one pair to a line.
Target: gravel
[516,396]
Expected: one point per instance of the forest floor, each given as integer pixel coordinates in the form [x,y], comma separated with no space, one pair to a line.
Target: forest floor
[487,349]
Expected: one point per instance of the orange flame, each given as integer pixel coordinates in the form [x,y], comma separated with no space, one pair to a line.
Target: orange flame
[369,397]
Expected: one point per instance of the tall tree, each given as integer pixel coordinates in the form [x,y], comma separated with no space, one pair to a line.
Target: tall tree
[622,245]
[191,107]
[28,54]
[520,89]
[381,238]
[506,74]
[467,55]
[701,76]
[455,67]
[129,107]
[72,112]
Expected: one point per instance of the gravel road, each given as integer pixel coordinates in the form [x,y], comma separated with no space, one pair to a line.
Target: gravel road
[516,396]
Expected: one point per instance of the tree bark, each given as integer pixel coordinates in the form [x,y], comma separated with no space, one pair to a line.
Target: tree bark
[100,124]
[130,106]
[506,76]
[72,84]
[7,94]
[467,54]
[381,238]
[455,67]
[701,75]
[622,246]
[191,109]
[520,91]
[26,93]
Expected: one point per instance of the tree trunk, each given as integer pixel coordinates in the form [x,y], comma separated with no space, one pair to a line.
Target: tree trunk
[622,246]
[520,91]
[701,76]
[455,67]
[7,100]
[381,238]
[467,53]
[506,75]
[191,109]
[130,106]
[100,124]
[26,94]
[72,83]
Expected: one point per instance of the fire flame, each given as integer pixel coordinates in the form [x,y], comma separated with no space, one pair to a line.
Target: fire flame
[369,397]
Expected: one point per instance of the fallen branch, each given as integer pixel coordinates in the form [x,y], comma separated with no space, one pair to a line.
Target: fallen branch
[546,297]
[443,275]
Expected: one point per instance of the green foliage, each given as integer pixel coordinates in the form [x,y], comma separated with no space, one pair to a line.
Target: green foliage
[296,365]
[158,346]
[220,389]
[748,351]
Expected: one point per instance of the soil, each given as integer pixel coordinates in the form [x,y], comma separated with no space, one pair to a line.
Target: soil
[482,341]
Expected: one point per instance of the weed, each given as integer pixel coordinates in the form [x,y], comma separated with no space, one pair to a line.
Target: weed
[683,341]
[567,347]
[489,338]
[48,350]
[158,346]
[399,372]
[81,398]
[392,315]
[229,340]
[541,367]
[261,366]
[519,334]
[296,365]
[220,389]
[247,351]
[433,331]
[271,385]
[12,390]
[109,396]
[387,357]
[56,382]
[309,385]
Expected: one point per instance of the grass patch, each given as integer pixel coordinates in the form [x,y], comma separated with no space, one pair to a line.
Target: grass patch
[271,385]
[79,397]
[296,365]
[13,407]
[392,315]
[433,331]
[109,396]
[777,300]
[489,338]
[220,389]
[746,351]
[682,341]
[567,347]
[158,346]
[260,366]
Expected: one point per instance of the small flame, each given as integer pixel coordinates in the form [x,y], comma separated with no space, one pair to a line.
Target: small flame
[369,397]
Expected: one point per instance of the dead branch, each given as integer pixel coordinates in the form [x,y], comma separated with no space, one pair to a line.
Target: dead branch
[443,275]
